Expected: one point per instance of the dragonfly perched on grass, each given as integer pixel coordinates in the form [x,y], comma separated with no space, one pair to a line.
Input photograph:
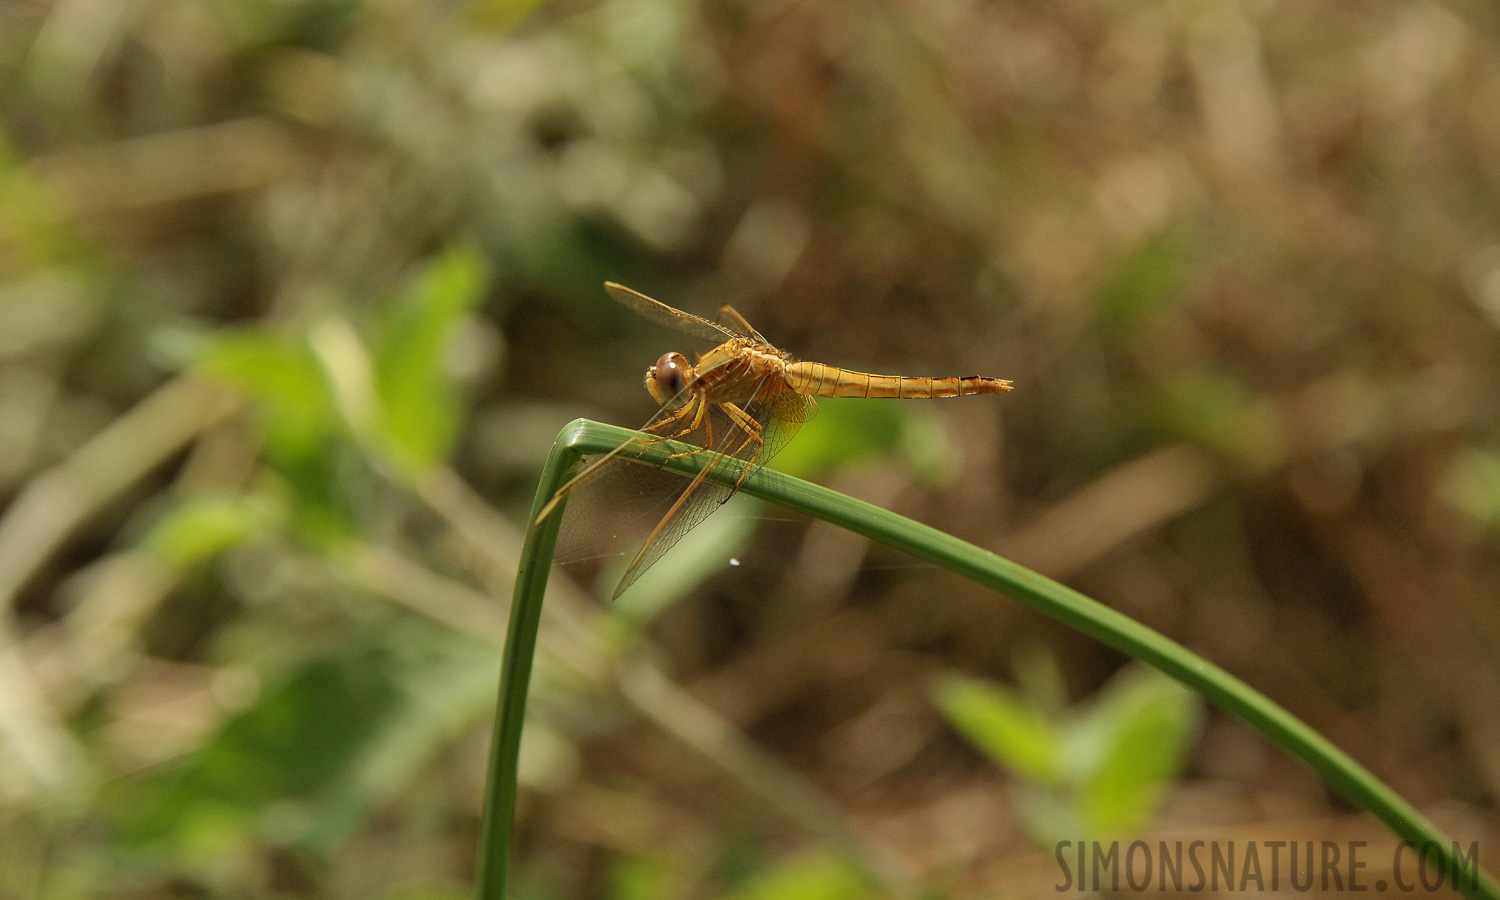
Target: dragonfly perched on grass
[738,404]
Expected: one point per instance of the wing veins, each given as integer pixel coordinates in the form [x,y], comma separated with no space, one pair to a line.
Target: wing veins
[668,316]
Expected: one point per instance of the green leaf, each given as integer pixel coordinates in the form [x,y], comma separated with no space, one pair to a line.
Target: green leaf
[283,378]
[338,736]
[431,892]
[34,220]
[1047,815]
[999,722]
[200,528]
[1129,747]
[1472,485]
[445,684]
[1040,678]
[818,875]
[274,757]
[643,878]
[1141,287]
[304,434]
[846,431]
[422,406]
[1220,411]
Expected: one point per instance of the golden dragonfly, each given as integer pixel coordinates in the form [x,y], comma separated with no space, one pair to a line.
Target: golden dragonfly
[741,401]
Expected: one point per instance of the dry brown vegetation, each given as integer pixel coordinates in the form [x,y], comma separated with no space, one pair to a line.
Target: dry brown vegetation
[294,295]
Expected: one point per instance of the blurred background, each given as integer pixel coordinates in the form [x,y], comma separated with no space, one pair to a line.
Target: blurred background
[295,294]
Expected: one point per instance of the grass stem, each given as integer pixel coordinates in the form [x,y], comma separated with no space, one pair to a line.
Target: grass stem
[1340,771]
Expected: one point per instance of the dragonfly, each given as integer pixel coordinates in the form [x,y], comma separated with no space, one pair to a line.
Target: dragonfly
[736,406]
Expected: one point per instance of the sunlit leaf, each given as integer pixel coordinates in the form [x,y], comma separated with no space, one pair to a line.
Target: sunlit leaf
[283,378]
[848,430]
[422,406]
[1129,746]
[32,217]
[818,875]
[1047,814]
[303,433]
[203,527]
[1007,728]
[643,878]
[1472,485]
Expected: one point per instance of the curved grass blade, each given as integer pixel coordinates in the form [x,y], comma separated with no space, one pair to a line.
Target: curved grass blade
[1339,770]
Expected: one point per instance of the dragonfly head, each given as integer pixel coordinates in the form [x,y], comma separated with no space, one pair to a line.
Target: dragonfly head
[668,377]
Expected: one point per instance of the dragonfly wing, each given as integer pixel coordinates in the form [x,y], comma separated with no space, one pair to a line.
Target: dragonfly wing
[743,438]
[730,318]
[662,314]
[610,494]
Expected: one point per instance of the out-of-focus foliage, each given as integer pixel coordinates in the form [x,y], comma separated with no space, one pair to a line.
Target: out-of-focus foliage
[814,876]
[1091,774]
[294,295]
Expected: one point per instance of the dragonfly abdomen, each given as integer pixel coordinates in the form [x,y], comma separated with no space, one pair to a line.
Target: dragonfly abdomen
[820,380]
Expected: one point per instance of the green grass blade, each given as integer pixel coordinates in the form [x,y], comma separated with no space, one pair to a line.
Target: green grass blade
[1338,769]
[498,818]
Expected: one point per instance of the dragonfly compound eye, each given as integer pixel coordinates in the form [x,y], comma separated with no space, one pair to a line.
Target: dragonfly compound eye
[667,378]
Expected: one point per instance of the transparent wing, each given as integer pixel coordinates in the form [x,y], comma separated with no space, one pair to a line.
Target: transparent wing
[776,418]
[609,494]
[614,497]
[662,314]
[731,319]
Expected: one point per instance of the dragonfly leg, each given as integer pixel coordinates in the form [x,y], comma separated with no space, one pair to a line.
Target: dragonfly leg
[753,432]
[694,402]
[701,419]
